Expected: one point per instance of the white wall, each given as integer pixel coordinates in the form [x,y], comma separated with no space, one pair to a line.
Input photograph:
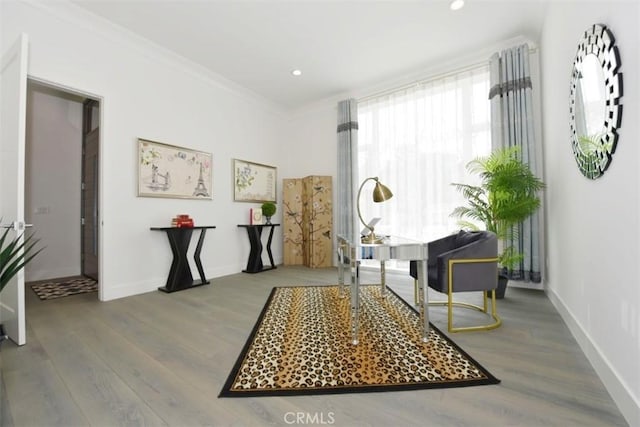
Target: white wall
[311,142]
[52,183]
[593,228]
[148,93]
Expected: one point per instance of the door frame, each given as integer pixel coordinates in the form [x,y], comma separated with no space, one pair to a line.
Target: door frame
[100,99]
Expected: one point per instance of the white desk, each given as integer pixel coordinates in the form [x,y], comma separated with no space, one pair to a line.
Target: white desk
[391,248]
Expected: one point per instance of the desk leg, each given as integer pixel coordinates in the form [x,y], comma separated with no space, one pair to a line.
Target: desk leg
[180,273]
[383,280]
[355,297]
[341,268]
[254,265]
[196,257]
[423,302]
[273,265]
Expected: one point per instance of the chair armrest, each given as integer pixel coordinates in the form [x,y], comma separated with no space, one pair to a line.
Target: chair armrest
[434,248]
[440,246]
[474,274]
[475,266]
[487,247]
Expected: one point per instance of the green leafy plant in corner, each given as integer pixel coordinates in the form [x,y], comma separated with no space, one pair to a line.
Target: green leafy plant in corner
[268,209]
[506,196]
[14,255]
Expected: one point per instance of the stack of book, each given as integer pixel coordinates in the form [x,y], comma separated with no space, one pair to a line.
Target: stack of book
[182,221]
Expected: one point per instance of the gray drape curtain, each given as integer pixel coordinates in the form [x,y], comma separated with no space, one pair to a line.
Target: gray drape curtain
[347,168]
[512,124]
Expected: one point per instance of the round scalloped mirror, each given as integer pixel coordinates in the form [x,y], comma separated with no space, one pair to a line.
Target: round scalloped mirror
[595,110]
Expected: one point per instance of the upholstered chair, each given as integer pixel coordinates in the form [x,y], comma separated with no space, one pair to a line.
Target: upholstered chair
[464,262]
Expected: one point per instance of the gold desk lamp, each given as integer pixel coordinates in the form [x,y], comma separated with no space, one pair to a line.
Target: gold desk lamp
[380,194]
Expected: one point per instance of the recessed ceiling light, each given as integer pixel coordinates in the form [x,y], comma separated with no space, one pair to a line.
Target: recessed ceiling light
[456,4]
[296,72]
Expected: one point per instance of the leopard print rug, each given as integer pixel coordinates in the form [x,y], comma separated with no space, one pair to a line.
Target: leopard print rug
[301,345]
[64,288]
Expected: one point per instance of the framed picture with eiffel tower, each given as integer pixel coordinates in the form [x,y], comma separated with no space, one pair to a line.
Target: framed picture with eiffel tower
[176,172]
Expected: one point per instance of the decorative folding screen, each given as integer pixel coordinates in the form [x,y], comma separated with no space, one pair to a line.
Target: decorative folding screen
[308,221]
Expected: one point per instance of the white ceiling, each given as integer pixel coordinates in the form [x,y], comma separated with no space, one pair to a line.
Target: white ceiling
[339,45]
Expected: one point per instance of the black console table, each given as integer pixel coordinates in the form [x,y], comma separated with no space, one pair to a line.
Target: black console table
[180,273]
[254,265]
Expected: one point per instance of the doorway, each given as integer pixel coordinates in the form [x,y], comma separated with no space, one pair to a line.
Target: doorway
[62,182]
[89,188]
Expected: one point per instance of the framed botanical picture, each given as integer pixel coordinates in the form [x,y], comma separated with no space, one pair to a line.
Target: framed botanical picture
[169,171]
[253,182]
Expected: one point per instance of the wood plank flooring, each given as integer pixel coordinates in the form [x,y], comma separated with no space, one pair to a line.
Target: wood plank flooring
[161,359]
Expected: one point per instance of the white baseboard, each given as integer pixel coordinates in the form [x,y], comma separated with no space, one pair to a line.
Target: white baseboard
[628,404]
[108,293]
[526,285]
[151,285]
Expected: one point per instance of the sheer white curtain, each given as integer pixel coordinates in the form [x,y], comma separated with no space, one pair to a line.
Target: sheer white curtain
[418,141]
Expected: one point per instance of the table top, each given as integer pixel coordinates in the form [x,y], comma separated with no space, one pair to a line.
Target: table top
[386,241]
[391,247]
[258,225]
[199,227]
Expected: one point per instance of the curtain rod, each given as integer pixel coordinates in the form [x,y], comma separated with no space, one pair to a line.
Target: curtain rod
[429,79]
[423,81]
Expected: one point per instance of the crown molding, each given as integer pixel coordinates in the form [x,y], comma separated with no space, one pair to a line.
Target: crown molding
[101,27]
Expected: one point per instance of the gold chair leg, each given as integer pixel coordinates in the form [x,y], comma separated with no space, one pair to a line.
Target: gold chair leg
[450,303]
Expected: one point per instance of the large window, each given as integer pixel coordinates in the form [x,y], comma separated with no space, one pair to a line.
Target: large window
[418,141]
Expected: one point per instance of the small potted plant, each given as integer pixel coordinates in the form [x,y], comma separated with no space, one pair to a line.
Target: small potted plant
[506,196]
[268,210]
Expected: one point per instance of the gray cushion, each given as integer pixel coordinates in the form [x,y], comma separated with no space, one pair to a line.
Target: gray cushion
[467,276]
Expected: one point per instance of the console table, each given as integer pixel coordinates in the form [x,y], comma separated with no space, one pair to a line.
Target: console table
[180,277]
[254,265]
[391,248]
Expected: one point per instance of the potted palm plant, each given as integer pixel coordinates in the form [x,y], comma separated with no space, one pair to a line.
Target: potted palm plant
[506,196]
[14,255]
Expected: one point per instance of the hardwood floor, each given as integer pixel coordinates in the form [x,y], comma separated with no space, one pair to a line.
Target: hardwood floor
[161,359]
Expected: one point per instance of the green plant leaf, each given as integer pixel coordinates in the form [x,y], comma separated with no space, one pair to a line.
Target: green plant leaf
[268,209]
[508,194]
[15,255]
